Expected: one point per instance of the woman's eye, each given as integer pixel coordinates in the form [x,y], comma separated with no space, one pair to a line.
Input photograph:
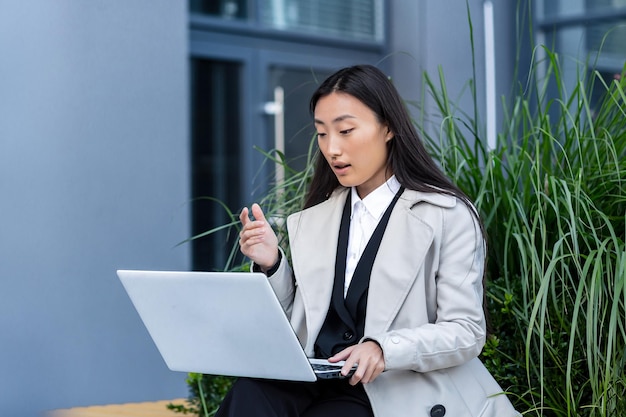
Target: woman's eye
[320,135]
[346,131]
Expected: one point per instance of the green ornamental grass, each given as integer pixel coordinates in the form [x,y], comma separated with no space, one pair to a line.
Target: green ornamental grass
[552,196]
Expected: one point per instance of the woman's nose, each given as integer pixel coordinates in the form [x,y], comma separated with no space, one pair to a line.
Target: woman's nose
[333,145]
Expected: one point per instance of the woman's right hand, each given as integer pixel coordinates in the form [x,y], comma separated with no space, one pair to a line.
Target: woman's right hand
[257,239]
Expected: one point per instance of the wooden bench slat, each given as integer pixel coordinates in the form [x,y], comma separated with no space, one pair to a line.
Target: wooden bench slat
[145,409]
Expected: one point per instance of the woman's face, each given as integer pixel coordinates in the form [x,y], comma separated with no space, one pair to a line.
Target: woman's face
[353,141]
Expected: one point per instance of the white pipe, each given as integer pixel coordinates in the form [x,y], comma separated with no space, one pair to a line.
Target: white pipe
[276,108]
[490,74]
[278,14]
[279,130]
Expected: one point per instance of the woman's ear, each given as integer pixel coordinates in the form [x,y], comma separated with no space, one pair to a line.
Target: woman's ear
[389,135]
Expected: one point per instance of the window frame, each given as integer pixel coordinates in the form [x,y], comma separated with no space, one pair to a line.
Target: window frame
[257,49]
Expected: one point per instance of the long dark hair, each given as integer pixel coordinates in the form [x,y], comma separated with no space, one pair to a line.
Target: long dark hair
[408,158]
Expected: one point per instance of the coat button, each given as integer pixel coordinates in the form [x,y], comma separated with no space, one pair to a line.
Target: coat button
[348,335]
[438,411]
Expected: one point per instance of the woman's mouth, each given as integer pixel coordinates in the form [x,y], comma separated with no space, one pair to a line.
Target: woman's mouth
[340,168]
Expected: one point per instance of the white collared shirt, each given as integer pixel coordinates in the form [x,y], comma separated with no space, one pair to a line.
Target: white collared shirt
[366,214]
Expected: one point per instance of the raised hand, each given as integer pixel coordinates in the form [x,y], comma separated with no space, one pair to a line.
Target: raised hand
[257,240]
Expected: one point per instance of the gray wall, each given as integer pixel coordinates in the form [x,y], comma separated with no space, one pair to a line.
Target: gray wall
[93,177]
[428,34]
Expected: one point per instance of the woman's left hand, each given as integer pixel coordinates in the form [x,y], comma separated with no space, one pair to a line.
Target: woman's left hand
[369,357]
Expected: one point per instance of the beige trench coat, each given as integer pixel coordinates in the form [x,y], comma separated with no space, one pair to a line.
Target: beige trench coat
[424,304]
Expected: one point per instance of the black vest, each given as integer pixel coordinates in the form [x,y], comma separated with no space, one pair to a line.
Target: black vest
[345,322]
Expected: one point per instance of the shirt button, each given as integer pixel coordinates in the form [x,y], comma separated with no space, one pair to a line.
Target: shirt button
[395,339]
[348,335]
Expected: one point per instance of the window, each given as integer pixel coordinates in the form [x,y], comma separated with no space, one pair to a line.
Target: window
[608,37]
[298,86]
[226,9]
[587,34]
[355,19]
[248,59]
[215,138]
[596,28]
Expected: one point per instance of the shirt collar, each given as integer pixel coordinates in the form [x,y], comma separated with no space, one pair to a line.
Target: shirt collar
[378,200]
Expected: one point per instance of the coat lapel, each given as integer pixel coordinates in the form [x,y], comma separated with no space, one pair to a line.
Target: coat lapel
[313,235]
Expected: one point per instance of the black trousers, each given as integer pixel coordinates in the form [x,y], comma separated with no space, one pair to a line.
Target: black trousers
[269,398]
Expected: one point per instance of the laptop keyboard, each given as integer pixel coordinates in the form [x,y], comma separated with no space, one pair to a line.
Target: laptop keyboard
[324,367]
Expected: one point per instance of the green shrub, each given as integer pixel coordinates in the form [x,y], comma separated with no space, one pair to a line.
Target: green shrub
[205,394]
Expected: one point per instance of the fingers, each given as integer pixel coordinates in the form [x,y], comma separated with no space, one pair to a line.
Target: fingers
[367,374]
[343,355]
[243,216]
[257,212]
[257,240]
[369,359]
[252,232]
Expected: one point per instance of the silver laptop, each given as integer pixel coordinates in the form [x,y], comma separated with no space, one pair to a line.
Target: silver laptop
[221,323]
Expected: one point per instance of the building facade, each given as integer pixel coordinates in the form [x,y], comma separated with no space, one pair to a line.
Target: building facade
[115,117]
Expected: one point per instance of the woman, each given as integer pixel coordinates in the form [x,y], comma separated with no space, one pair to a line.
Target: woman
[387,267]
